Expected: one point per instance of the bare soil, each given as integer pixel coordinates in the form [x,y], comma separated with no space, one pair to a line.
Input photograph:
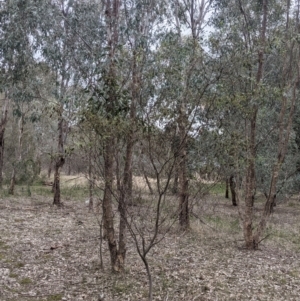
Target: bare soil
[49,253]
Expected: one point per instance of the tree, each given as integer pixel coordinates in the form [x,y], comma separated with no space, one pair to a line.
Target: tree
[15,57]
[57,44]
[255,33]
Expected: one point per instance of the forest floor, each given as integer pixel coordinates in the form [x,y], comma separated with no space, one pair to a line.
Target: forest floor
[49,253]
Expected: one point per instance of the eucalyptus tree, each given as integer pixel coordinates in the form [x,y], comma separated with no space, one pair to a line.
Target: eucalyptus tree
[288,96]
[129,34]
[139,20]
[16,58]
[57,46]
[105,110]
[252,35]
[184,79]
[122,92]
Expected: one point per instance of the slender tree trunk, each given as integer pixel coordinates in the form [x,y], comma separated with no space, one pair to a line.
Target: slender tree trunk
[125,198]
[59,163]
[2,131]
[232,185]
[176,178]
[108,215]
[11,189]
[21,132]
[3,123]
[19,157]
[184,220]
[250,186]
[150,290]
[148,182]
[91,181]
[227,189]
[69,166]
[50,165]
[56,184]
[39,165]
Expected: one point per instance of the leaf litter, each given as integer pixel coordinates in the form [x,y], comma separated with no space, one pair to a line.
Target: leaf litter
[47,253]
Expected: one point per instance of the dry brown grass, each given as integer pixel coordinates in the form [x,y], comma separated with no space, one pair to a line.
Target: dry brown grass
[74,180]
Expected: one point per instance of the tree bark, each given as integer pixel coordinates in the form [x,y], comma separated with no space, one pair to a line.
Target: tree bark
[91,181]
[60,161]
[227,188]
[50,165]
[11,189]
[176,178]
[69,166]
[232,185]
[148,182]
[117,255]
[108,216]
[56,184]
[126,187]
[184,219]
[2,131]
[3,123]
[19,157]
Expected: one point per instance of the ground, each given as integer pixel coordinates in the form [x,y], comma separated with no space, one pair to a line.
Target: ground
[49,253]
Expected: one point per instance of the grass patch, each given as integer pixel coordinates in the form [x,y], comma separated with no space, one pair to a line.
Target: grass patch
[55,297]
[122,288]
[217,188]
[4,192]
[235,225]
[19,265]
[13,275]
[208,188]
[77,192]
[68,192]
[41,190]
[25,281]
[277,233]
[223,223]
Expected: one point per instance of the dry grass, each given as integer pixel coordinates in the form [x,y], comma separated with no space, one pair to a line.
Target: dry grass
[53,254]
[77,180]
